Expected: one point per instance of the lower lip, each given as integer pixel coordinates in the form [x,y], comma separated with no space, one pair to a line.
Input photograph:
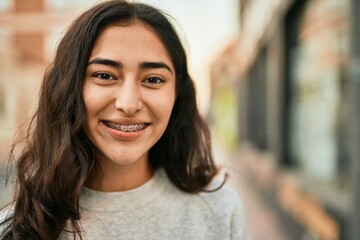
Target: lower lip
[125,136]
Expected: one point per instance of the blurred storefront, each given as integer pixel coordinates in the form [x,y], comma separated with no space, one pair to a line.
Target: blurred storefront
[28,33]
[292,85]
[22,63]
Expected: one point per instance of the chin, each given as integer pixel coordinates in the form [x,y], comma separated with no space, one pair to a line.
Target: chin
[126,160]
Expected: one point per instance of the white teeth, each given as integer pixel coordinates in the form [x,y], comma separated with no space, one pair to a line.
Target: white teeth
[126,128]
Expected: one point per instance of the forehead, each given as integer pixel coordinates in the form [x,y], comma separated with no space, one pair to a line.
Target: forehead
[133,38]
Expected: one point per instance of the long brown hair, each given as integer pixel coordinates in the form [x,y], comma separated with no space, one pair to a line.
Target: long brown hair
[57,157]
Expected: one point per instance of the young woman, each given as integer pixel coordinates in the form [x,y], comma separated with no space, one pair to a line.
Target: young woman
[117,148]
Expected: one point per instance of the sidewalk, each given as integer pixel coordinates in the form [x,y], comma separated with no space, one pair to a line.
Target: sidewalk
[263,222]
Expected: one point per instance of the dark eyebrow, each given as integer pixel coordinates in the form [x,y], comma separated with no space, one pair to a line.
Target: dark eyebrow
[104,61]
[117,64]
[155,65]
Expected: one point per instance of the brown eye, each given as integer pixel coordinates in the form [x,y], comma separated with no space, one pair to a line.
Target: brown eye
[104,76]
[153,80]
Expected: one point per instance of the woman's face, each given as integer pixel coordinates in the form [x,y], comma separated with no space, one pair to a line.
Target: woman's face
[129,93]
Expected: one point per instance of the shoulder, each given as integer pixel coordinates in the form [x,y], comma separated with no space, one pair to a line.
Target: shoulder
[218,198]
[227,204]
[222,194]
[216,195]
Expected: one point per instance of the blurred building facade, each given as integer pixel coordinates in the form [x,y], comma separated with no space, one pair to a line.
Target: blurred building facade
[291,85]
[29,32]
[20,62]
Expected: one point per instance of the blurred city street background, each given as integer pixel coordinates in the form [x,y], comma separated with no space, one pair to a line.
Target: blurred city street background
[278,82]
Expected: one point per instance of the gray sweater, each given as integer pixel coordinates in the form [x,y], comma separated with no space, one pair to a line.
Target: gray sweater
[158,210]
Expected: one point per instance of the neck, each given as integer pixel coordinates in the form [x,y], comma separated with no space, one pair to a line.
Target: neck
[119,178]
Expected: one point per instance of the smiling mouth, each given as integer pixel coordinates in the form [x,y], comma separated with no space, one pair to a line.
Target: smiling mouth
[126,127]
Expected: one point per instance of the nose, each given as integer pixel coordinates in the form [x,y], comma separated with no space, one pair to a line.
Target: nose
[128,98]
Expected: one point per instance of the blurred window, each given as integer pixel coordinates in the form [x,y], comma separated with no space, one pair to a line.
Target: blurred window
[257,101]
[317,48]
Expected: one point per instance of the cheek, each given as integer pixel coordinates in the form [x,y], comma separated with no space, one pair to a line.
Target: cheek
[95,100]
[88,97]
[165,106]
